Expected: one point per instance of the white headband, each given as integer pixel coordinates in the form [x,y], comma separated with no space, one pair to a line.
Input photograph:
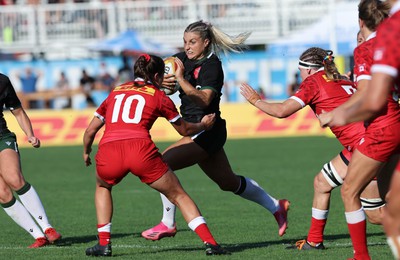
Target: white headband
[308,65]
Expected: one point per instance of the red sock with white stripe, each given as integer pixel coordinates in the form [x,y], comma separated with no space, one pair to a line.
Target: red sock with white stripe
[318,222]
[357,226]
[104,232]
[199,226]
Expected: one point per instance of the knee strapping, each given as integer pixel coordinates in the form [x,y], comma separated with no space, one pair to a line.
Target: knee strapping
[331,175]
[372,204]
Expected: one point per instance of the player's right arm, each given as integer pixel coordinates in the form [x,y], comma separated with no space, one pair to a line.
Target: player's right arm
[278,110]
[185,128]
[88,138]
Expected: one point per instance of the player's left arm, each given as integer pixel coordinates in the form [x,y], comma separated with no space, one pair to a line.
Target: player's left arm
[201,97]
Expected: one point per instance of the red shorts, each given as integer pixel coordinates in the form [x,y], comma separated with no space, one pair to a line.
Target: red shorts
[398,166]
[114,160]
[380,144]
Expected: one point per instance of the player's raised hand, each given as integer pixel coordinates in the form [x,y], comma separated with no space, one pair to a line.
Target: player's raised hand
[249,93]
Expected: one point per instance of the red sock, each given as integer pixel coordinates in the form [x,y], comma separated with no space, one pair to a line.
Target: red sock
[316,232]
[204,233]
[104,237]
[359,239]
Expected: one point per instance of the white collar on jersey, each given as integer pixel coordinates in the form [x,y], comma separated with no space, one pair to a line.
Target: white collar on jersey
[371,36]
[395,8]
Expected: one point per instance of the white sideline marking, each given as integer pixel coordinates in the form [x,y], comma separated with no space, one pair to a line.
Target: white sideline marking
[68,247]
[164,247]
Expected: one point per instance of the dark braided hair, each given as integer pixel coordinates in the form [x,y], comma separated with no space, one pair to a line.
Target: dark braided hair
[322,58]
[146,67]
[373,12]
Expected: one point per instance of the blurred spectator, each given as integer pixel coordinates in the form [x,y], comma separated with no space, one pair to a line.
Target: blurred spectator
[105,81]
[62,98]
[125,73]
[87,85]
[292,87]
[28,82]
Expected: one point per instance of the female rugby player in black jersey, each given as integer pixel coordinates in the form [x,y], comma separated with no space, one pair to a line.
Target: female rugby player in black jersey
[28,208]
[201,79]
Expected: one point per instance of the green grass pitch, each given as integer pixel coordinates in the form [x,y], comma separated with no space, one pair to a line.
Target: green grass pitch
[284,167]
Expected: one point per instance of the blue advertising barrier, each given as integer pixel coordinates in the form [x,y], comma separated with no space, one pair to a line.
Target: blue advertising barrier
[268,74]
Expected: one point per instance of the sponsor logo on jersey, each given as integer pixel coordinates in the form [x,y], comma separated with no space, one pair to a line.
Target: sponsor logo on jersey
[129,87]
[8,143]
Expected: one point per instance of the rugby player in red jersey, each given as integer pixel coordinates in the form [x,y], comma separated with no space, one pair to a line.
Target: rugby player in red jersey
[323,89]
[128,113]
[380,145]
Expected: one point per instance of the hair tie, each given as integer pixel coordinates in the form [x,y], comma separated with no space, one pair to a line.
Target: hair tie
[146,56]
[328,57]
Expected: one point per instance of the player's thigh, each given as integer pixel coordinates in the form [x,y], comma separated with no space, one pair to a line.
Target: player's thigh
[218,169]
[183,153]
[371,191]
[340,166]
[168,184]
[10,168]
[361,171]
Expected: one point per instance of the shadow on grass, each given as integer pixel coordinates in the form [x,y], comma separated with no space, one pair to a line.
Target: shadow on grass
[70,241]
[239,247]
[233,248]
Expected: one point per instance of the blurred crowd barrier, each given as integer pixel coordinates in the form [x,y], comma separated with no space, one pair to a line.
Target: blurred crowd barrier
[45,27]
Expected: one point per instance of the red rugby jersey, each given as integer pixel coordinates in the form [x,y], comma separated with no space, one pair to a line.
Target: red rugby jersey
[320,93]
[130,112]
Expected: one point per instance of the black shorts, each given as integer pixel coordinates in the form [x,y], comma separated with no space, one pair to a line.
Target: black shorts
[8,141]
[214,139]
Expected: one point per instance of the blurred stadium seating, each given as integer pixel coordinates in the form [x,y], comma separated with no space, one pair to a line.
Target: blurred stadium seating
[44,28]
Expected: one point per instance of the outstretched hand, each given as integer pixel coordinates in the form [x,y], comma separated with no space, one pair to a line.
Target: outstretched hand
[208,121]
[249,93]
[34,141]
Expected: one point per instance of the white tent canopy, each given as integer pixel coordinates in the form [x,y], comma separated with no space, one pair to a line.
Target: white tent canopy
[336,31]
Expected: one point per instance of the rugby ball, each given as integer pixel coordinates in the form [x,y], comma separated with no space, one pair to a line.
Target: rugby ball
[170,68]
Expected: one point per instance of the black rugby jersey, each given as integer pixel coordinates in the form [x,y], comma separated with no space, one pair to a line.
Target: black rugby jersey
[8,99]
[206,73]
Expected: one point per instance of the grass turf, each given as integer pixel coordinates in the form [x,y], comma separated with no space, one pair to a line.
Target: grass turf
[284,167]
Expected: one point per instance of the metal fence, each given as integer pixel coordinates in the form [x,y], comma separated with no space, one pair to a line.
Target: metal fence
[57,27]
